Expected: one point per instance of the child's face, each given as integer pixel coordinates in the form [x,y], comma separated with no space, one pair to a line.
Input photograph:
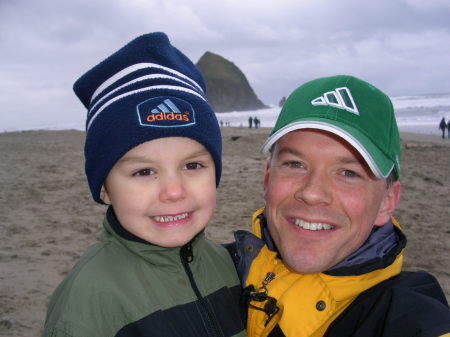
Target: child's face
[164,190]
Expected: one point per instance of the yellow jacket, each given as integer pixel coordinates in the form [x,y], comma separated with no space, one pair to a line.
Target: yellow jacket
[307,303]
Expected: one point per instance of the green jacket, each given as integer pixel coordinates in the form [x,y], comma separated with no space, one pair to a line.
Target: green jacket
[123,286]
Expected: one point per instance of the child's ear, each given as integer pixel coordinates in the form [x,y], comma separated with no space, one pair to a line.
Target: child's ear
[104,195]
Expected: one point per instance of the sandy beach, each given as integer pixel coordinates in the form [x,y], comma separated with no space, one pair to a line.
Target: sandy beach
[47,216]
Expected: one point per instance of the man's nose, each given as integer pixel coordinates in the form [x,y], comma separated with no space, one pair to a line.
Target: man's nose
[314,189]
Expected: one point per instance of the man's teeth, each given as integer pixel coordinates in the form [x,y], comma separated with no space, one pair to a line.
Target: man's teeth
[313,226]
[166,218]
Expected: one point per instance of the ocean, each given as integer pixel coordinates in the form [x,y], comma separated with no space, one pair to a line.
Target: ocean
[418,114]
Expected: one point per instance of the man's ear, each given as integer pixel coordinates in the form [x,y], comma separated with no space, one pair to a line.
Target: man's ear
[389,204]
[266,174]
[104,196]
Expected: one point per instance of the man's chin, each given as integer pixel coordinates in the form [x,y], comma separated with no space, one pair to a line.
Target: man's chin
[302,265]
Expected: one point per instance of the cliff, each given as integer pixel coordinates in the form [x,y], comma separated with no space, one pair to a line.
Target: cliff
[227,86]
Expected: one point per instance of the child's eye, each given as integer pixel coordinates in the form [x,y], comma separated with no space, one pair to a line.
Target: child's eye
[144,172]
[192,166]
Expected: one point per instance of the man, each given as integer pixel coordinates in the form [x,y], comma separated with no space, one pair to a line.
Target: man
[326,255]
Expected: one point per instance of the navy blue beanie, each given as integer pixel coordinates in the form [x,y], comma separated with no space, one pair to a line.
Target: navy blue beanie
[146,90]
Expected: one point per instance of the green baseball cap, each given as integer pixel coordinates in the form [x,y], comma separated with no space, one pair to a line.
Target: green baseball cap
[351,108]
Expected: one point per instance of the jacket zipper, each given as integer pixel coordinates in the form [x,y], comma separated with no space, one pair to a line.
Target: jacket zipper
[187,256]
[254,316]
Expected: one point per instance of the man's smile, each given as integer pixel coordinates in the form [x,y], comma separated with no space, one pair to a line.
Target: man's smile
[313,226]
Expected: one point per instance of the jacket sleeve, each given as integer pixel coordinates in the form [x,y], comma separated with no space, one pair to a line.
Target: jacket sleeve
[409,305]
[66,329]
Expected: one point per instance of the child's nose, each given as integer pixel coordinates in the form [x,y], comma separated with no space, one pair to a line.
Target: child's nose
[172,189]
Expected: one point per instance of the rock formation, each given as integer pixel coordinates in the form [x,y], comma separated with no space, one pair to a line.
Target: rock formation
[227,86]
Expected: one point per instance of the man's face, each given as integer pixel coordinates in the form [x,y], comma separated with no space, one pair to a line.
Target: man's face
[322,201]
[164,190]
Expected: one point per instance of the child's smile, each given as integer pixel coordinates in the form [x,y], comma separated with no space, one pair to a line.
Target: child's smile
[168,219]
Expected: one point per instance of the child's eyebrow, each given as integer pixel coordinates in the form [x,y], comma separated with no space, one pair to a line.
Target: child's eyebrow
[198,153]
[135,158]
[146,159]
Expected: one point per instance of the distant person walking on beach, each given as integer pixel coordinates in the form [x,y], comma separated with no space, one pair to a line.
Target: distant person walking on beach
[256,121]
[448,129]
[250,122]
[443,126]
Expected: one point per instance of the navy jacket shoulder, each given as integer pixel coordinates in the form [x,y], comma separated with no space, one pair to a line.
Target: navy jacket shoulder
[410,304]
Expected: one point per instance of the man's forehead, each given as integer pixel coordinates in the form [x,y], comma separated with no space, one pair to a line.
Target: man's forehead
[289,138]
[291,143]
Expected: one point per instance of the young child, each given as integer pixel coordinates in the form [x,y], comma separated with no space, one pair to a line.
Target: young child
[153,154]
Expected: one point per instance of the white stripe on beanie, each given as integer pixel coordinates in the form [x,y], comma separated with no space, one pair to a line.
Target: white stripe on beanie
[142,78]
[136,67]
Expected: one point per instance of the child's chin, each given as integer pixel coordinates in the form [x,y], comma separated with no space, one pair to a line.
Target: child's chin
[174,242]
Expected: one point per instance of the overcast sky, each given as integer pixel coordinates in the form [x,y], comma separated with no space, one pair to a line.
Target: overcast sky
[401,46]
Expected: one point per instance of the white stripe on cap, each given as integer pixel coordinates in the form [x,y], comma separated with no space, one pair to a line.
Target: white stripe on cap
[136,67]
[142,78]
[155,87]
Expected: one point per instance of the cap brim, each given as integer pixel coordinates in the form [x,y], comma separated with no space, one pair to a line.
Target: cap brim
[380,165]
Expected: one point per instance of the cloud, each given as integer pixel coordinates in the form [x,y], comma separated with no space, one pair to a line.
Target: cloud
[400,46]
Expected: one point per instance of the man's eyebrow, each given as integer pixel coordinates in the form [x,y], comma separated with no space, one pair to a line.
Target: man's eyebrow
[350,160]
[344,159]
[289,150]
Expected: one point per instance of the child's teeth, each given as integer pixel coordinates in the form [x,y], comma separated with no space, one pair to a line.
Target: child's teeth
[167,218]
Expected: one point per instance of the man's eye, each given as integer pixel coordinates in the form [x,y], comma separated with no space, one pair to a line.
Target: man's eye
[294,164]
[350,174]
[192,166]
[144,172]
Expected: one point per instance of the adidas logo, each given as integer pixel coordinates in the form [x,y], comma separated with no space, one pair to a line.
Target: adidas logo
[340,98]
[168,113]
[167,106]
